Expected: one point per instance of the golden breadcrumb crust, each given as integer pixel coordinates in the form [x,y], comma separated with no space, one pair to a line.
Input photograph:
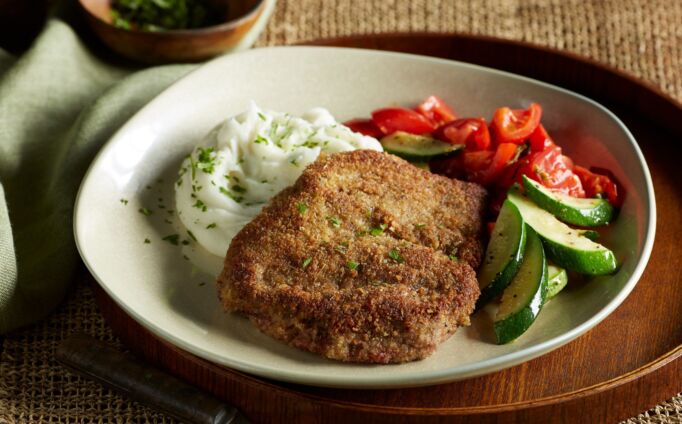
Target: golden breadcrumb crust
[366,258]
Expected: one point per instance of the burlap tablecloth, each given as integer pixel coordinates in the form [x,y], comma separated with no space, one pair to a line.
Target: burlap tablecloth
[641,37]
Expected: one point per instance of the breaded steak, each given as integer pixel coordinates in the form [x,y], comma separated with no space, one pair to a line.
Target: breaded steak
[365,259]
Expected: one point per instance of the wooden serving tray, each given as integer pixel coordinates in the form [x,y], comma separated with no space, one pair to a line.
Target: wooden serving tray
[627,364]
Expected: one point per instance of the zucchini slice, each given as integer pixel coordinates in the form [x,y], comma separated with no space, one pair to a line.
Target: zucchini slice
[417,147]
[523,299]
[557,278]
[565,246]
[503,254]
[573,210]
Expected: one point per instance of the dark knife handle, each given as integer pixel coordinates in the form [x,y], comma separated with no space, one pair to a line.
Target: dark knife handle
[124,373]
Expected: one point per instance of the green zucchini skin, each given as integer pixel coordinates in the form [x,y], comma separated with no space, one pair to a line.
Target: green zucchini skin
[566,247]
[531,282]
[557,279]
[572,210]
[417,148]
[494,275]
[600,262]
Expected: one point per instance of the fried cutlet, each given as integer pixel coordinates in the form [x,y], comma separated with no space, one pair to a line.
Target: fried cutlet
[366,258]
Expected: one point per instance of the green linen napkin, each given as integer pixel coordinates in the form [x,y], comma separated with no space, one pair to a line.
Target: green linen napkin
[59,103]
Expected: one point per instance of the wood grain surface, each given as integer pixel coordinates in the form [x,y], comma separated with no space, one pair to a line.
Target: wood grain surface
[625,365]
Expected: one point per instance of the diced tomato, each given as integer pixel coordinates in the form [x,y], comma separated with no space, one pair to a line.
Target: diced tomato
[364,126]
[477,160]
[436,110]
[390,120]
[473,132]
[515,125]
[539,140]
[551,169]
[598,185]
[483,166]
[504,153]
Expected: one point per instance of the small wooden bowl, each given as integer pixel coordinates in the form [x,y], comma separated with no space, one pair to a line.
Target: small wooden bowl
[189,45]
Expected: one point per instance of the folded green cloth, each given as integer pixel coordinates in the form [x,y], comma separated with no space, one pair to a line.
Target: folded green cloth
[59,103]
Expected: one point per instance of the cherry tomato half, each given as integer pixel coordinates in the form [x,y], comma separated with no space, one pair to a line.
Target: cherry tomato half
[551,169]
[504,153]
[473,132]
[390,120]
[598,185]
[539,140]
[515,125]
[436,110]
[364,126]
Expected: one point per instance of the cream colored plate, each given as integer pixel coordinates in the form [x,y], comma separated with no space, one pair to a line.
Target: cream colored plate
[158,288]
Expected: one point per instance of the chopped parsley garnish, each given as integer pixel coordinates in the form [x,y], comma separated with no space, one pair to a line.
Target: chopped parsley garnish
[230,195]
[211,225]
[203,283]
[309,144]
[419,226]
[260,140]
[155,15]
[205,161]
[191,235]
[342,248]
[124,201]
[306,262]
[261,116]
[352,265]
[377,231]
[144,211]
[172,239]
[192,166]
[238,188]
[294,161]
[453,258]
[302,208]
[185,257]
[285,135]
[395,255]
[336,222]
[200,205]
[147,241]
[185,242]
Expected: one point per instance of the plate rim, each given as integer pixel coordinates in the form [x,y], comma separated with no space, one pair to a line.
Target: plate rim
[417,378]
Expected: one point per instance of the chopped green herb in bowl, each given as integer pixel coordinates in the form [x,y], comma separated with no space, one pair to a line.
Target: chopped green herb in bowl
[160,15]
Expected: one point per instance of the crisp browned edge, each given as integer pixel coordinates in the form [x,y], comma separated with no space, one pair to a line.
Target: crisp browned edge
[665,112]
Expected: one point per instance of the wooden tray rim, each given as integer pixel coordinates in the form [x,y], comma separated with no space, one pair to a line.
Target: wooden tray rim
[671,356]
